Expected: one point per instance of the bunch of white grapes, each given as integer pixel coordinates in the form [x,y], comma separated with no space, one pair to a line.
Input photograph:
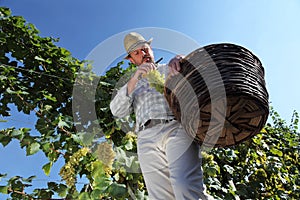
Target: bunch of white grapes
[67,172]
[156,80]
[106,155]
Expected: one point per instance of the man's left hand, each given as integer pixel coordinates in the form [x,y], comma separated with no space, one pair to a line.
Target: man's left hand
[174,65]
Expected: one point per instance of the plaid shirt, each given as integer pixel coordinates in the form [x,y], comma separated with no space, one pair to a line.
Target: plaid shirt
[146,102]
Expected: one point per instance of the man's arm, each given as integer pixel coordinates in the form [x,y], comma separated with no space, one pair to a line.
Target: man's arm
[132,83]
[120,106]
[142,69]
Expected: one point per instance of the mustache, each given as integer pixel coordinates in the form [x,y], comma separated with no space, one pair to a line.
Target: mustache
[147,57]
[144,57]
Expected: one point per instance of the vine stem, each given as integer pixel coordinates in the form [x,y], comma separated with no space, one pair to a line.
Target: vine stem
[19,192]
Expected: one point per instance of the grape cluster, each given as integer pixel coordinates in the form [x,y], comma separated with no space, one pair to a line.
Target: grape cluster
[156,80]
[68,172]
[106,155]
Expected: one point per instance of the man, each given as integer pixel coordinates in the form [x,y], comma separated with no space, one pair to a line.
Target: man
[168,157]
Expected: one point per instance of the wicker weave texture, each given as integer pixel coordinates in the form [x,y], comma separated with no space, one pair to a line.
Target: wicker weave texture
[220,95]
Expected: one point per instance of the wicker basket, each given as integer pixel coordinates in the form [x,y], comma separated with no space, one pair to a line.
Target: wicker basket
[220,96]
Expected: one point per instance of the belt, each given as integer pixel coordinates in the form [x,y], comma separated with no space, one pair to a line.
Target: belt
[153,122]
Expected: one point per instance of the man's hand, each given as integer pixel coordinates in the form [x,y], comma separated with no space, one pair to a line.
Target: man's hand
[174,65]
[144,69]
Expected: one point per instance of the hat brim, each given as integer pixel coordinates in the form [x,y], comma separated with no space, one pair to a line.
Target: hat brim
[138,46]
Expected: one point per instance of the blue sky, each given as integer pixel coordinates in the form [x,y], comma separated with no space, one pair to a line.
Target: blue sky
[270,29]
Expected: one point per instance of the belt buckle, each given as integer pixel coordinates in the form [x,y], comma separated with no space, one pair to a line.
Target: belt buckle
[153,122]
[144,126]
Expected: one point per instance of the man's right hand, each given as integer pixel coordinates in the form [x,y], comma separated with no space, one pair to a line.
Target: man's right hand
[143,69]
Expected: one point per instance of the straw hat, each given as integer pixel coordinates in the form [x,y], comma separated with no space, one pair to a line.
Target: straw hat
[133,41]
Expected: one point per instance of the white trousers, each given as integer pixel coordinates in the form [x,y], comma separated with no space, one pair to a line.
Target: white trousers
[170,163]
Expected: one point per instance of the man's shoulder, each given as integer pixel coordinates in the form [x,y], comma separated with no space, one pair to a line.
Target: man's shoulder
[163,68]
[164,65]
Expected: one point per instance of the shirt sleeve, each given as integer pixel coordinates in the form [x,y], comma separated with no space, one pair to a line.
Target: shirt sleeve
[121,105]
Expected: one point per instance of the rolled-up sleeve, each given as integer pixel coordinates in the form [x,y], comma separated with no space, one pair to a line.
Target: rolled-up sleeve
[121,105]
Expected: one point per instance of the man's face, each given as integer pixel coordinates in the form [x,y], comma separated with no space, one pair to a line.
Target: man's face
[142,55]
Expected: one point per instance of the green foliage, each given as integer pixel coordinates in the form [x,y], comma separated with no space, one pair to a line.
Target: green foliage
[39,77]
[107,87]
[36,76]
[264,167]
